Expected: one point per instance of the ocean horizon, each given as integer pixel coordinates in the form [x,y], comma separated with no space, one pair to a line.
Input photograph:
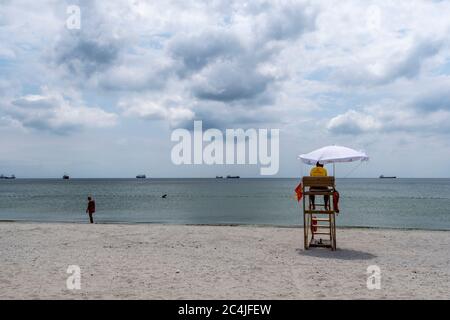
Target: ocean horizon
[404,203]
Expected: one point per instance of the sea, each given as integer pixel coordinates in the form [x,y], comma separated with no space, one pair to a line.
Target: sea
[373,203]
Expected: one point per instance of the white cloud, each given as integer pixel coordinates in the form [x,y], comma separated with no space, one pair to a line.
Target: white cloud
[353,122]
[147,108]
[50,111]
[390,119]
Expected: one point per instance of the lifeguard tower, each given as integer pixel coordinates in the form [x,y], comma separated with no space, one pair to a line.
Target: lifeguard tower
[319,221]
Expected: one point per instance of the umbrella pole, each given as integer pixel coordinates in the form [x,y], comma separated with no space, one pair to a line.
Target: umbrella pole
[334,169]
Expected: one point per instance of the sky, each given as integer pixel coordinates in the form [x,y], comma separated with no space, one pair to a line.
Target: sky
[103,100]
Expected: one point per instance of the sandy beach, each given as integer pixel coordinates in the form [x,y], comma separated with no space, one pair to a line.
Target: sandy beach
[218,262]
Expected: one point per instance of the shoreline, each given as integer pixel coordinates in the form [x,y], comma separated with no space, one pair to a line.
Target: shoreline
[160,261]
[217,225]
[213,178]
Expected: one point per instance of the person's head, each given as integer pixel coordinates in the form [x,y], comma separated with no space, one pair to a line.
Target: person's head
[318,164]
[89,198]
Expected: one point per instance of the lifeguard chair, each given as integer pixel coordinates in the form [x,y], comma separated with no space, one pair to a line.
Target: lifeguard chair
[319,222]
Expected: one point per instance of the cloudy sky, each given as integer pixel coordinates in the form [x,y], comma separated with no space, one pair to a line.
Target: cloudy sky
[103,100]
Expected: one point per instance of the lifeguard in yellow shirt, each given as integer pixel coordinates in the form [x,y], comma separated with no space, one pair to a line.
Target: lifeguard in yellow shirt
[318,171]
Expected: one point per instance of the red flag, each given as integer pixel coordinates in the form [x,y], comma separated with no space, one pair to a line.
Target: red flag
[336,201]
[298,192]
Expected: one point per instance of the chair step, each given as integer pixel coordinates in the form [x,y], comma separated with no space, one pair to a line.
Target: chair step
[317,243]
[322,233]
[321,219]
[318,193]
[320,211]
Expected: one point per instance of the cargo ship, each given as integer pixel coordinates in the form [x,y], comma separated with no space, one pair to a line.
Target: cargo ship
[7,177]
[387,177]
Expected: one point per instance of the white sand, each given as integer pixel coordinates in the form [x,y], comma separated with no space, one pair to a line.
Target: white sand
[212,262]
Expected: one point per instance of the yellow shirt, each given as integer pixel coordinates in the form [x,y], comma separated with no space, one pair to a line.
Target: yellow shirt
[318,172]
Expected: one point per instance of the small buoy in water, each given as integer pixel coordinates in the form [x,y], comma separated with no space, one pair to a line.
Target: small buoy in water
[164,196]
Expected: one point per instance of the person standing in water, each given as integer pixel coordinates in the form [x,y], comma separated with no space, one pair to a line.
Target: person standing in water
[90,209]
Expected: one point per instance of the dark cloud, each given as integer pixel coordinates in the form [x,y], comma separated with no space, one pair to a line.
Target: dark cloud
[286,22]
[220,67]
[436,99]
[216,115]
[412,63]
[224,65]
[227,82]
[92,48]
[86,56]
[196,51]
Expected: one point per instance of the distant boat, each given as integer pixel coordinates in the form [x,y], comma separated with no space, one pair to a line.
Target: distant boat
[219,177]
[233,177]
[6,177]
[141,176]
[66,177]
[385,177]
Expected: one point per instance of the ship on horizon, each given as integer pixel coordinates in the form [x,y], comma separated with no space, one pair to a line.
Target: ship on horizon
[388,177]
[66,176]
[233,177]
[141,176]
[7,177]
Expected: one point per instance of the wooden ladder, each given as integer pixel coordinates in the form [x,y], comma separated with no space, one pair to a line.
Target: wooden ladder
[322,227]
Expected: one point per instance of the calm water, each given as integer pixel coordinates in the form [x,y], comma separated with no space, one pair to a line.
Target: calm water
[399,203]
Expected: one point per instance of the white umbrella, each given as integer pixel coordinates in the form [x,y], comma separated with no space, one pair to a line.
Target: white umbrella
[333,154]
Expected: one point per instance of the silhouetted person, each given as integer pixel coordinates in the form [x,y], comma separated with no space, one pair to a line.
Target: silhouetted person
[164,196]
[90,209]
